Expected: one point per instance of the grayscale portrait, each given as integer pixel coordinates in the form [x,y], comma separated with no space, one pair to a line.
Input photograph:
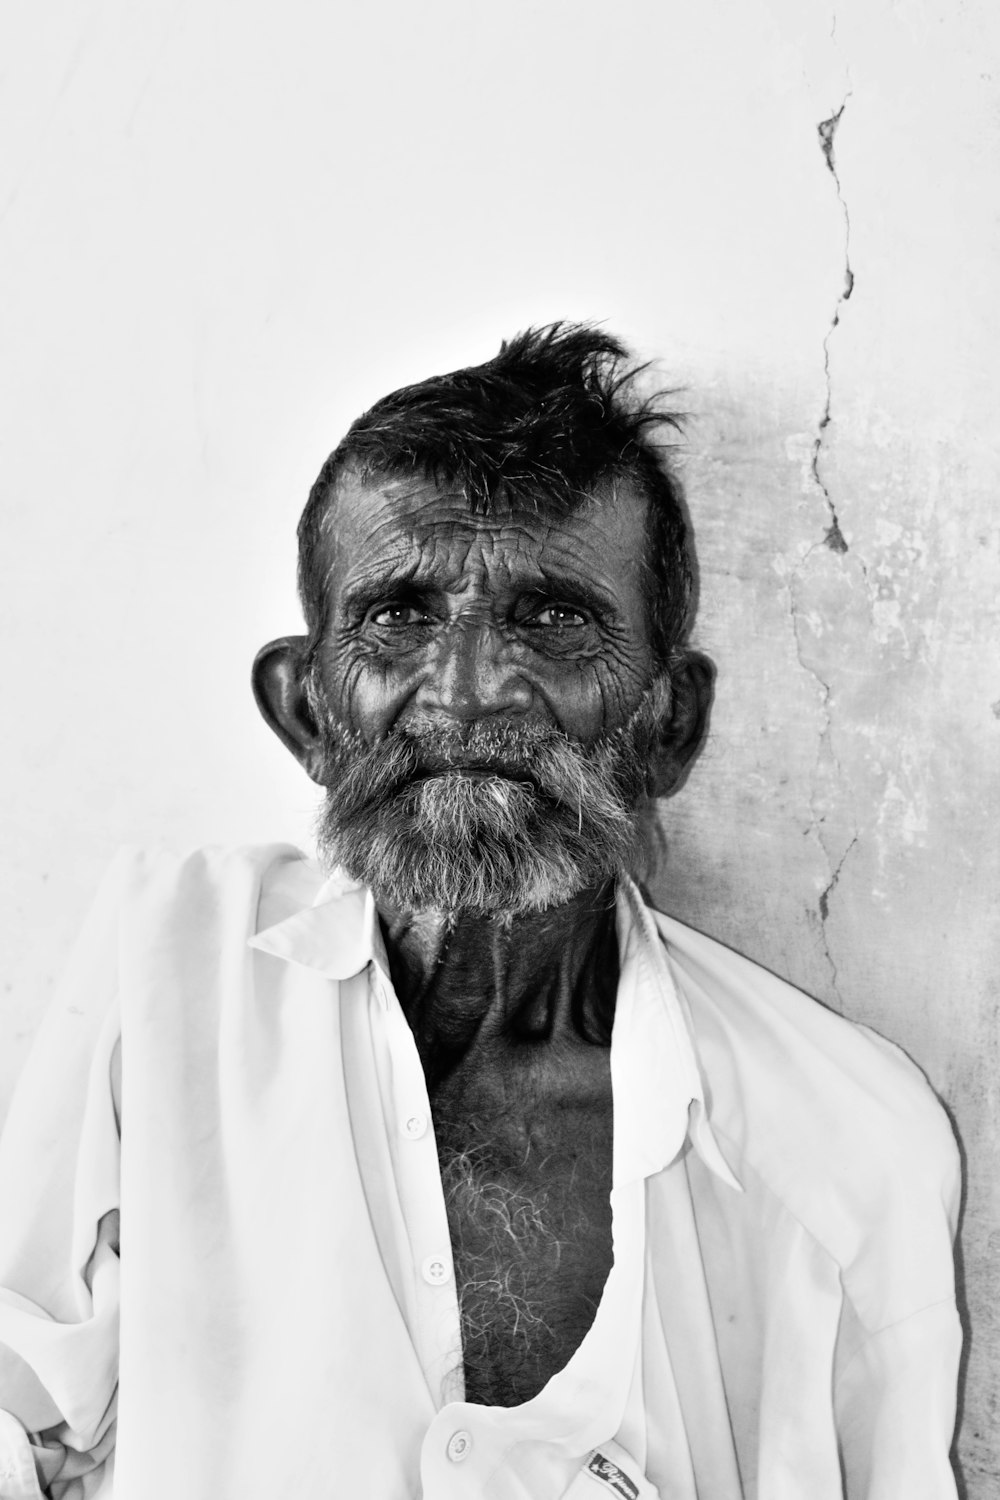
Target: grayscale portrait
[500,616]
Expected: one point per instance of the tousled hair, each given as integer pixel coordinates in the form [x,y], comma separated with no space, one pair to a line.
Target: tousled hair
[545,421]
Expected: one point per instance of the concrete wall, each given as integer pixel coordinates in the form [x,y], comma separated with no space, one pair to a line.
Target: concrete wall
[226,229]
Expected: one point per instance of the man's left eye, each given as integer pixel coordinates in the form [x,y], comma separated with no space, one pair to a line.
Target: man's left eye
[557,616]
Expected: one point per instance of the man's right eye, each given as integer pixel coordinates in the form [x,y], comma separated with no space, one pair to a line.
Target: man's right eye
[397,615]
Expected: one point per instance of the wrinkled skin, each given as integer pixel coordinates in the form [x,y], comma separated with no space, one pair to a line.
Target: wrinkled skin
[435,611]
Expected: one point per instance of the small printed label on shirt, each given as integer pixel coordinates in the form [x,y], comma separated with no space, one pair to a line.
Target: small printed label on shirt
[609,1473]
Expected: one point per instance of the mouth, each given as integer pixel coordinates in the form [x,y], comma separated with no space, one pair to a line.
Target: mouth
[476,772]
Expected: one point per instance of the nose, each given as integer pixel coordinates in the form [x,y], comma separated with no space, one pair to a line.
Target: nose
[472,675]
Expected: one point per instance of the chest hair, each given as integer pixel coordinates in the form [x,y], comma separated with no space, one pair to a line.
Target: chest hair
[527,1179]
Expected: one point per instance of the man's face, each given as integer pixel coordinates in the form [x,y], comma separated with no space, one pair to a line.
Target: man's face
[484,688]
[468,618]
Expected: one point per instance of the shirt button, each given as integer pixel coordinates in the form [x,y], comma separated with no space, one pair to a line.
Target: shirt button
[436,1270]
[459,1446]
[415,1126]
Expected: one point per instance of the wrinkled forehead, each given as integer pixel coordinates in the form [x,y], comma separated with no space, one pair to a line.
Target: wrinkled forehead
[422,526]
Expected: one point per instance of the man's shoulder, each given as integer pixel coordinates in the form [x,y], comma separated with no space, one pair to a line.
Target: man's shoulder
[214,884]
[818,1106]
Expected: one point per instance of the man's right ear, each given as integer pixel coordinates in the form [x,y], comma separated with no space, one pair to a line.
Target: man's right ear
[279,687]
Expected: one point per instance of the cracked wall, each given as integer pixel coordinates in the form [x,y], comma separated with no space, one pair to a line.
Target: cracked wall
[221,243]
[833,537]
[854,758]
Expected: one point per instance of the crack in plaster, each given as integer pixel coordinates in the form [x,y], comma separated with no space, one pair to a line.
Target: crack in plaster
[827,131]
[825,752]
[824,749]
[824,911]
[836,542]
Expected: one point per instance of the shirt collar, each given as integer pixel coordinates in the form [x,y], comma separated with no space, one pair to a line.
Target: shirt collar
[337,935]
[658,1091]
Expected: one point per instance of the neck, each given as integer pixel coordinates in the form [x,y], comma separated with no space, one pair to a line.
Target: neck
[533,979]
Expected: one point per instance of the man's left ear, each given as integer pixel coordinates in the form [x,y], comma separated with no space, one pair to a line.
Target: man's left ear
[279,688]
[685,724]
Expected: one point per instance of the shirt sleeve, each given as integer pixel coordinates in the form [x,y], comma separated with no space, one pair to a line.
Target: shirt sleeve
[896,1409]
[59,1241]
[896,1390]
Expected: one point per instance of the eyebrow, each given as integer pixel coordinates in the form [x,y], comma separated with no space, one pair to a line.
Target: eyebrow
[577,591]
[376,584]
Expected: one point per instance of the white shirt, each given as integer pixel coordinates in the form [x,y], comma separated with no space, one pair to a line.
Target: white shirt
[779,1322]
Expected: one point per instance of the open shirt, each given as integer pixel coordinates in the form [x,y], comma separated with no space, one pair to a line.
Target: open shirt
[225,1251]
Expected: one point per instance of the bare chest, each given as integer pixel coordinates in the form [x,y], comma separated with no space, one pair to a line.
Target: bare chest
[527,1183]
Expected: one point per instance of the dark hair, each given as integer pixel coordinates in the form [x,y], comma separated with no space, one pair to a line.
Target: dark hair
[540,424]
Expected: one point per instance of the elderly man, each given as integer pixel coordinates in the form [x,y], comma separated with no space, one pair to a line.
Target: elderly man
[458,1171]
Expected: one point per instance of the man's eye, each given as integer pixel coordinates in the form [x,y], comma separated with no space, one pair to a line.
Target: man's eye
[558,617]
[397,615]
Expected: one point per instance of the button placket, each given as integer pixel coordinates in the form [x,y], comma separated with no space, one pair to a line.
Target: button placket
[433,1317]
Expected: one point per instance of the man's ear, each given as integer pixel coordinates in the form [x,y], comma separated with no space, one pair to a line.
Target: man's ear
[685,724]
[279,687]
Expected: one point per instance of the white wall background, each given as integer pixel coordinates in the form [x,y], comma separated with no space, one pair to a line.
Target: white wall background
[225,229]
